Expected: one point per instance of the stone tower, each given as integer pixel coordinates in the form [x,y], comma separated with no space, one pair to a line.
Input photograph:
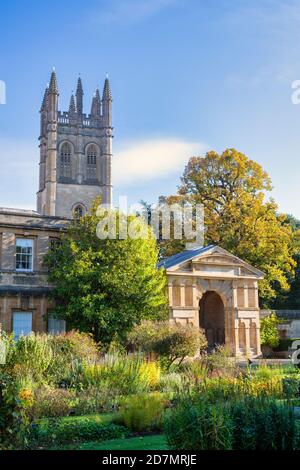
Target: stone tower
[75,152]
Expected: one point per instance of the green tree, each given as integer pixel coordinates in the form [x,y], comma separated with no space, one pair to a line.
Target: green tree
[106,286]
[171,341]
[238,217]
[291,299]
[269,334]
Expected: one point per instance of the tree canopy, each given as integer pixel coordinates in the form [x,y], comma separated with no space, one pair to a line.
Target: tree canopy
[105,286]
[239,217]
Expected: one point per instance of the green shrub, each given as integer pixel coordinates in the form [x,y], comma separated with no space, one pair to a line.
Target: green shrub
[49,402]
[70,351]
[30,356]
[171,341]
[217,364]
[143,412]
[124,374]
[253,423]
[75,429]
[199,426]
[95,399]
[291,386]
[269,333]
[170,382]
[285,344]
[263,424]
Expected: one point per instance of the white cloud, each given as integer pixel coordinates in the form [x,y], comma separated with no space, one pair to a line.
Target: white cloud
[152,159]
[134,162]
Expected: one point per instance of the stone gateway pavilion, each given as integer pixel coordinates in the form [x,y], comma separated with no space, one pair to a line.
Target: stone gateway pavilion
[208,286]
[218,292]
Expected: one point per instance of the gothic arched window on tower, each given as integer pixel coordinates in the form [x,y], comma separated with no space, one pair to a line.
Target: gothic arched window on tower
[65,160]
[91,168]
[78,211]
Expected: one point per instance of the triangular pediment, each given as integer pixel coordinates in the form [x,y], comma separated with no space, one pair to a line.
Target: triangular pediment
[214,262]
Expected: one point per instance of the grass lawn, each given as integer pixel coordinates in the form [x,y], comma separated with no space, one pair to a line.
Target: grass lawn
[156,442]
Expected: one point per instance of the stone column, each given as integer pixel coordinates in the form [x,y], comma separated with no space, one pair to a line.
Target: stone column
[258,346]
[195,300]
[107,167]
[236,337]
[246,296]
[51,158]
[256,295]
[170,291]
[182,295]
[247,331]
[234,295]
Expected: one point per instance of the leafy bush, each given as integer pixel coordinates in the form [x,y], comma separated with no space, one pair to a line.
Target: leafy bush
[226,388]
[269,333]
[70,351]
[170,382]
[124,374]
[170,341]
[75,429]
[30,356]
[143,412]
[262,424]
[96,399]
[217,364]
[150,372]
[249,423]
[199,426]
[285,344]
[49,402]
[220,363]
[291,386]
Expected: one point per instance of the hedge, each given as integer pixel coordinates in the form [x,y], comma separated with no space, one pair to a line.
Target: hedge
[75,429]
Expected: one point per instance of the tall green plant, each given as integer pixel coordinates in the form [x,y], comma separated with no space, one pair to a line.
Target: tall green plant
[30,356]
[269,333]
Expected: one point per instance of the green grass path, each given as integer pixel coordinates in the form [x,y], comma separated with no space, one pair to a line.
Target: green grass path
[157,442]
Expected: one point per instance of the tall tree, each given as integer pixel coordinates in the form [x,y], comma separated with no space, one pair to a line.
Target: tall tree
[106,286]
[238,217]
[291,299]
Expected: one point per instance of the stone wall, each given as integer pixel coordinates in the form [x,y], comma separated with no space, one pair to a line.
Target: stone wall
[289,326]
[26,291]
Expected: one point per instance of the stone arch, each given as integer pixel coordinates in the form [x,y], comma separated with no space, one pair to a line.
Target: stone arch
[212,318]
[78,210]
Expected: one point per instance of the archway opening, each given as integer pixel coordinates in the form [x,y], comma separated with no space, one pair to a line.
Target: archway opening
[212,319]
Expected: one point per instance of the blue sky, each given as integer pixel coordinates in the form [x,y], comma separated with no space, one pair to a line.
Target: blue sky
[186,76]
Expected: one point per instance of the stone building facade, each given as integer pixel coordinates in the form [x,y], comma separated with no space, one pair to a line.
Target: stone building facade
[218,292]
[25,237]
[75,168]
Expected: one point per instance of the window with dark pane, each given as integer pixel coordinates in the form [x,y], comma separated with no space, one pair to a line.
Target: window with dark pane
[91,172]
[65,160]
[78,212]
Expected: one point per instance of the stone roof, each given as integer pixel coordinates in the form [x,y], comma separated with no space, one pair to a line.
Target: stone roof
[182,257]
[31,219]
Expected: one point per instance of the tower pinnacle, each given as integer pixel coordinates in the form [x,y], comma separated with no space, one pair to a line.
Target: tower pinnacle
[53,87]
[106,91]
[79,97]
